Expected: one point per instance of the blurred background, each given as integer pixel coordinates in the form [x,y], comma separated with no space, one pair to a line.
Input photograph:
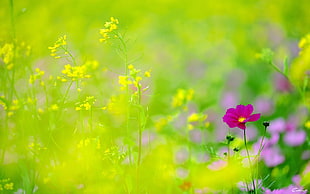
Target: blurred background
[200,43]
[203,56]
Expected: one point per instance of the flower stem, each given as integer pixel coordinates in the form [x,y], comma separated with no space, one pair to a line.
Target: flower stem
[250,163]
[261,146]
[66,93]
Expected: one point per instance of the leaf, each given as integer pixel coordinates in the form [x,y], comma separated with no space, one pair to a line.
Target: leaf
[285,66]
[306,80]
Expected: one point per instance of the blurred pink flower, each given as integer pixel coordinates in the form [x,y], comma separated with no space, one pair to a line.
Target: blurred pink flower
[264,106]
[282,84]
[229,99]
[295,138]
[217,165]
[278,125]
[239,116]
[305,155]
[292,189]
[272,156]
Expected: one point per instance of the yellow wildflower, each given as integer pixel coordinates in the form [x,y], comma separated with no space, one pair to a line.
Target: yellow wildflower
[40,110]
[38,75]
[86,104]
[193,117]
[109,27]
[124,81]
[304,42]
[3,102]
[75,72]
[92,64]
[181,97]
[161,123]
[299,69]
[58,44]
[190,126]
[54,107]
[9,186]
[7,53]
[94,142]
[307,124]
[147,74]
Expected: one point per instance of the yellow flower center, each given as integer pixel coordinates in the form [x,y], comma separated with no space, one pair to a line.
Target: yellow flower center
[241,119]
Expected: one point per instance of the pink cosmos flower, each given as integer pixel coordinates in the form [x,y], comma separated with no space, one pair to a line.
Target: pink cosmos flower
[239,116]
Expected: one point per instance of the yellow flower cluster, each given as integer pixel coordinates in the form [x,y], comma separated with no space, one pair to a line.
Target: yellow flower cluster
[299,70]
[124,81]
[109,27]
[134,78]
[74,73]
[182,96]
[53,107]
[58,44]
[10,108]
[91,64]
[7,55]
[3,102]
[9,51]
[163,122]
[6,184]
[36,147]
[117,105]
[195,118]
[95,142]
[13,107]
[304,42]
[38,75]
[307,124]
[86,104]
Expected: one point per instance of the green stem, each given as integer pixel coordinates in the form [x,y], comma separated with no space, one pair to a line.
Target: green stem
[139,138]
[70,55]
[127,93]
[91,119]
[250,163]
[12,19]
[277,69]
[66,93]
[261,147]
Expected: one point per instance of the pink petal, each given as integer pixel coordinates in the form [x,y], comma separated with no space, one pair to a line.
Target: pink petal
[241,126]
[231,115]
[248,110]
[240,109]
[295,138]
[253,117]
[231,110]
[232,124]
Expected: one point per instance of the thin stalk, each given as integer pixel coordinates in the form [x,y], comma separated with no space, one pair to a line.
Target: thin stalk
[139,138]
[66,93]
[261,147]
[277,69]
[12,19]
[91,119]
[248,155]
[70,55]
[12,89]
[228,147]
[127,93]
